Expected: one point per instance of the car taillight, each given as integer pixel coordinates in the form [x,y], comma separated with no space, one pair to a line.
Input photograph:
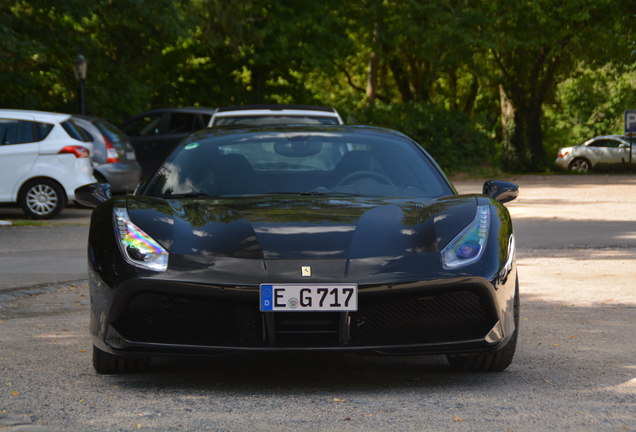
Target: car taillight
[562,154]
[111,152]
[77,150]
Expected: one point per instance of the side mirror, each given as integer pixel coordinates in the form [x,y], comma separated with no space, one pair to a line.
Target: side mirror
[501,191]
[92,195]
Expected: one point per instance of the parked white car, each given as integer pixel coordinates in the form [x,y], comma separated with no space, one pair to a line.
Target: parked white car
[601,150]
[44,157]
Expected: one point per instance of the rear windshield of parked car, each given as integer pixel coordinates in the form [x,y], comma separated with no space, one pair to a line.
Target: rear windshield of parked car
[257,120]
[76,132]
[112,132]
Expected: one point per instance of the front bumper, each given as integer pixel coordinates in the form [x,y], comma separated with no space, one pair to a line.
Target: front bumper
[152,317]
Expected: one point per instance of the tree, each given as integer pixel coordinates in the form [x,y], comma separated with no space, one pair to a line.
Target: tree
[590,103]
[122,40]
[270,44]
[535,45]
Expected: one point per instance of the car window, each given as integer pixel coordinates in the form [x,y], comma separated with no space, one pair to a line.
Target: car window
[292,162]
[21,131]
[605,143]
[144,125]
[255,120]
[76,132]
[205,119]
[110,131]
[41,130]
[181,123]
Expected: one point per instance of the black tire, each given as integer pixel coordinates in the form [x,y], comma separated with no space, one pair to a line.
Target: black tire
[106,363]
[42,198]
[580,165]
[491,362]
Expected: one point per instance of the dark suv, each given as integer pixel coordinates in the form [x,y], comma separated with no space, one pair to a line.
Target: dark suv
[155,133]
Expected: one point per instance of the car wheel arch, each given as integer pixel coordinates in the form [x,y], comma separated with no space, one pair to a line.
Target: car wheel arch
[24,187]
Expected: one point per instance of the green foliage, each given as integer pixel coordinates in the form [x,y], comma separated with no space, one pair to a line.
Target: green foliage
[436,70]
[449,136]
[122,40]
[590,103]
[538,45]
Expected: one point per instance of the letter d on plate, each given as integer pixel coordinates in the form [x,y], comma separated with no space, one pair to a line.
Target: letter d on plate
[266,297]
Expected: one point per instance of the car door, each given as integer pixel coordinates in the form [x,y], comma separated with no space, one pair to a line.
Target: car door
[608,151]
[145,133]
[18,153]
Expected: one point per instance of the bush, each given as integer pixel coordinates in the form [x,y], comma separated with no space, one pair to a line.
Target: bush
[448,136]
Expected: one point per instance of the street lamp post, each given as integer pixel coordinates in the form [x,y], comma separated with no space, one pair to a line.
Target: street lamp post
[80,64]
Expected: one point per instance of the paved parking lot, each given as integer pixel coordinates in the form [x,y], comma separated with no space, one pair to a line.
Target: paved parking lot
[575,368]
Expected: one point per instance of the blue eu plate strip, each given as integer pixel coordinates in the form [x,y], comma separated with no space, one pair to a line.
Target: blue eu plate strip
[266,298]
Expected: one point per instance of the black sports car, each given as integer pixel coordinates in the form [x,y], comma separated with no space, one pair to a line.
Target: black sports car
[302,238]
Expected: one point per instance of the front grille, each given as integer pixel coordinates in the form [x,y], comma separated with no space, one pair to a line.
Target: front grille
[171,319]
[205,321]
[306,328]
[441,317]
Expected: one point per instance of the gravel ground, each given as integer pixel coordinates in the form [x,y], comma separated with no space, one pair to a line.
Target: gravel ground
[575,368]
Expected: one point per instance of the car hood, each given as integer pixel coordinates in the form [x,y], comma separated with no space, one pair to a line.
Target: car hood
[286,228]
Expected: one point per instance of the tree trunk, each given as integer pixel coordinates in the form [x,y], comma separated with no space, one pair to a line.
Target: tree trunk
[523,135]
[258,78]
[469,103]
[534,137]
[372,75]
[512,131]
[399,75]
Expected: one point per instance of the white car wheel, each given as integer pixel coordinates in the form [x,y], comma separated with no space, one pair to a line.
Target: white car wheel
[42,199]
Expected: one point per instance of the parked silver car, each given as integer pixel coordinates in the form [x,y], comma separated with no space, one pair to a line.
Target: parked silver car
[113,156]
[605,150]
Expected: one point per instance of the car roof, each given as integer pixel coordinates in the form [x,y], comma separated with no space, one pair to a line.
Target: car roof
[353,129]
[45,116]
[205,110]
[276,107]
[89,118]
[614,137]
[609,136]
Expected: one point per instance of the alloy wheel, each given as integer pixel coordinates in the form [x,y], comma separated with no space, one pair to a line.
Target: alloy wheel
[42,199]
[580,165]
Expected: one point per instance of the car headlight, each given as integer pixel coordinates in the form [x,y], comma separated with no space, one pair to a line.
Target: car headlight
[137,247]
[469,244]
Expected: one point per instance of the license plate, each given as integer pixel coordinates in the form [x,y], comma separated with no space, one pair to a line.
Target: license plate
[130,155]
[308,297]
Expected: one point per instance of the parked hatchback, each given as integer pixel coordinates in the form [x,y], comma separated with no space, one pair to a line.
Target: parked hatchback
[44,157]
[113,155]
[601,150]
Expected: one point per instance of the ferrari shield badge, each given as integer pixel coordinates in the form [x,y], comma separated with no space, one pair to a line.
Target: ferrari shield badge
[305,271]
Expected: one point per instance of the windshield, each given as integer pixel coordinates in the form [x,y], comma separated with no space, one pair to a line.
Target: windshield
[271,119]
[299,162]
